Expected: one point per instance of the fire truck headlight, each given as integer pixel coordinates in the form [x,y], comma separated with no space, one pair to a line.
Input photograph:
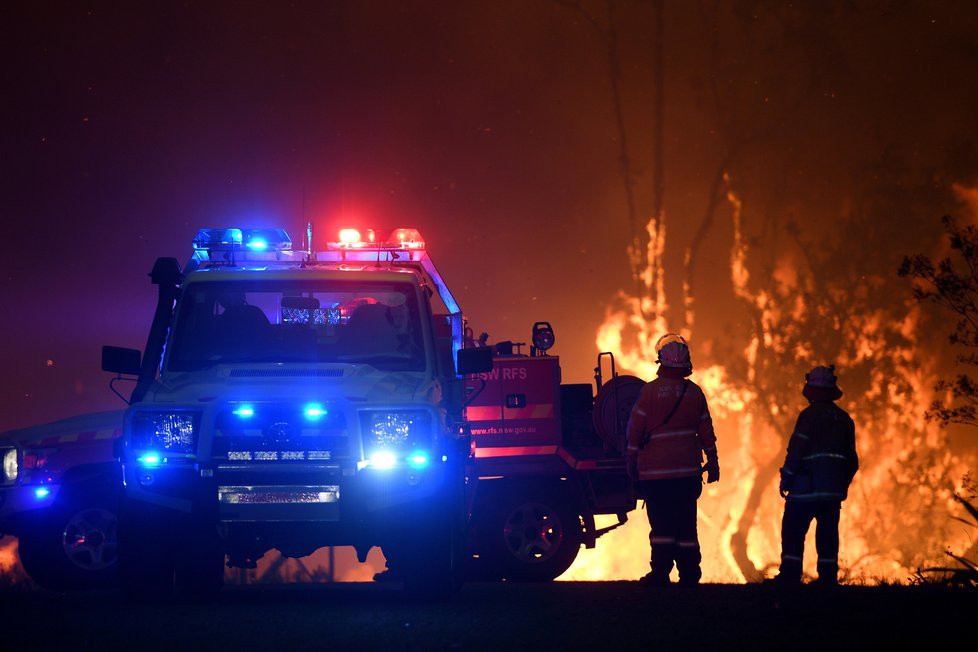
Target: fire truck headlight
[402,434]
[9,465]
[169,432]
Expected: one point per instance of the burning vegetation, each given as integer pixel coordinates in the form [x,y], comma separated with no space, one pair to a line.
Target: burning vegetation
[802,303]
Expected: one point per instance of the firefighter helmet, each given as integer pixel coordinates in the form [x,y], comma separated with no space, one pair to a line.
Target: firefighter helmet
[673,351]
[821,384]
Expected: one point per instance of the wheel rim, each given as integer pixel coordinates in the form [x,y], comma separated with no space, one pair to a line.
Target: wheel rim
[90,539]
[533,533]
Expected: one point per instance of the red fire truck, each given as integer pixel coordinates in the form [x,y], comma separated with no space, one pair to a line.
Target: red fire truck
[242,445]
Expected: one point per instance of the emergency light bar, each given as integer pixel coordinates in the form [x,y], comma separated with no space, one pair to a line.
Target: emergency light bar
[232,245]
[398,240]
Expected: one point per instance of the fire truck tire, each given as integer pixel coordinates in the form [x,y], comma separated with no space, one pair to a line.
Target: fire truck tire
[146,563]
[74,546]
[534,537]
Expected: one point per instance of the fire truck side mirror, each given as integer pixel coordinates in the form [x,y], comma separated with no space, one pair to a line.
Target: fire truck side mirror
[474,361]
[120,361]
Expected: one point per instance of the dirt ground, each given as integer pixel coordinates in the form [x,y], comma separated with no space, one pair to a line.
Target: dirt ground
[491,616]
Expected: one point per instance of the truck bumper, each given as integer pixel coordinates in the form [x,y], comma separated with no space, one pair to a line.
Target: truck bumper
[259,494]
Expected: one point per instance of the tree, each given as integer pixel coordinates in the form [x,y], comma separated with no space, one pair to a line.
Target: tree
[952,283]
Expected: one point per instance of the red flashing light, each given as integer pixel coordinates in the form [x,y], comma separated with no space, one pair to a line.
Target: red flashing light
[407,238]
[399,239]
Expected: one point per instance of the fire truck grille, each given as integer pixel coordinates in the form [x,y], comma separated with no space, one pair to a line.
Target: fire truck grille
[280,433]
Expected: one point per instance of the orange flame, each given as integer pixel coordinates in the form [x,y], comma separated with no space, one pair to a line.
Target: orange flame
[897,515]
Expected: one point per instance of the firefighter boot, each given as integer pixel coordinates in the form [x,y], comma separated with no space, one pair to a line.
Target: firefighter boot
[789,573]
[688,560]
[661,564]
[828,572]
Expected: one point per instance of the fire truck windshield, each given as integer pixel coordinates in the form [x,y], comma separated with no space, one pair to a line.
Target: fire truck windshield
[290,321]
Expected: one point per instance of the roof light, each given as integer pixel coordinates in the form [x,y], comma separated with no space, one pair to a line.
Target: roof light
[42,492]
[349,237]
[398,240]
[353,238]
[244,411]
[407,238]
[218,239]
[240,242]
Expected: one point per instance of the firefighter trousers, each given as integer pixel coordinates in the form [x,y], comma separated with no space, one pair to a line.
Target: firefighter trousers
[671,507]
[798,516]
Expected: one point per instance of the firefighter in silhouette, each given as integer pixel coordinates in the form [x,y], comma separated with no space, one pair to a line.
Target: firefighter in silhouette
[818,468]
[669,433]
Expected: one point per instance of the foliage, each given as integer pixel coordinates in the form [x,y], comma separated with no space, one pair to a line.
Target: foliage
[952,283]
[965,574]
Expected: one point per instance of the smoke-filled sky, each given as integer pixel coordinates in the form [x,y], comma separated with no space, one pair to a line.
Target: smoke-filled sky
[490,126]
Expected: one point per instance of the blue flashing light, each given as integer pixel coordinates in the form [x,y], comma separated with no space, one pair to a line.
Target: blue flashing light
[149,458]
[257,240]
[383,460]
[417,460]
[314,411]
[42,492]
[245,411]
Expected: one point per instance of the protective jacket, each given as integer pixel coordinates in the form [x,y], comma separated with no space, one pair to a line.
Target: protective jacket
[821,459]
[670,428]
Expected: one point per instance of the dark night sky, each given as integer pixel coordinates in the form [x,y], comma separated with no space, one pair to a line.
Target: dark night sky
[487,125]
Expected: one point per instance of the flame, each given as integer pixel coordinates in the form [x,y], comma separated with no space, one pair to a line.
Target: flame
[897,518]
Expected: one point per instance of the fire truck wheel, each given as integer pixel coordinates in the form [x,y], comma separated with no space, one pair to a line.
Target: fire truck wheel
[535,538]
[146,565]
[75,546]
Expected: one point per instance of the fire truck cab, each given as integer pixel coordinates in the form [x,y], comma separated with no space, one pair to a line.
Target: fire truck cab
[293,400]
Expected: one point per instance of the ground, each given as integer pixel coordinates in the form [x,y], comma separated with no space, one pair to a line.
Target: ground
[549,616]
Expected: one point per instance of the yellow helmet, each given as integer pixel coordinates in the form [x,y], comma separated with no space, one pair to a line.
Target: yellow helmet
[672,351]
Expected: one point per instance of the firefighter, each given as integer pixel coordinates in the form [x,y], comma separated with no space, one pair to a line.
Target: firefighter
[669,431]
[818,468]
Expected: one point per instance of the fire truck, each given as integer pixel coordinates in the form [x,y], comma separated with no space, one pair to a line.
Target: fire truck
[59,496]
[293,399]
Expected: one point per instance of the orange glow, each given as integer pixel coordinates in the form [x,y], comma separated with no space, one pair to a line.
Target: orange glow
[898,517]
[8,556]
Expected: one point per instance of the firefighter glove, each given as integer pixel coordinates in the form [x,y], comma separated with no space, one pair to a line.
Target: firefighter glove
[784,486]
[712,469]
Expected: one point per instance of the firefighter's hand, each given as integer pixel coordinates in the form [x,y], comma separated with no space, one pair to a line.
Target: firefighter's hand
[712,470]
[632,469]
[784,487]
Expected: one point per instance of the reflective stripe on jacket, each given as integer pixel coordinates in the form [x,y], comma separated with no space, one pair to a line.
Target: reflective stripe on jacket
[821,459]
[673,449]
